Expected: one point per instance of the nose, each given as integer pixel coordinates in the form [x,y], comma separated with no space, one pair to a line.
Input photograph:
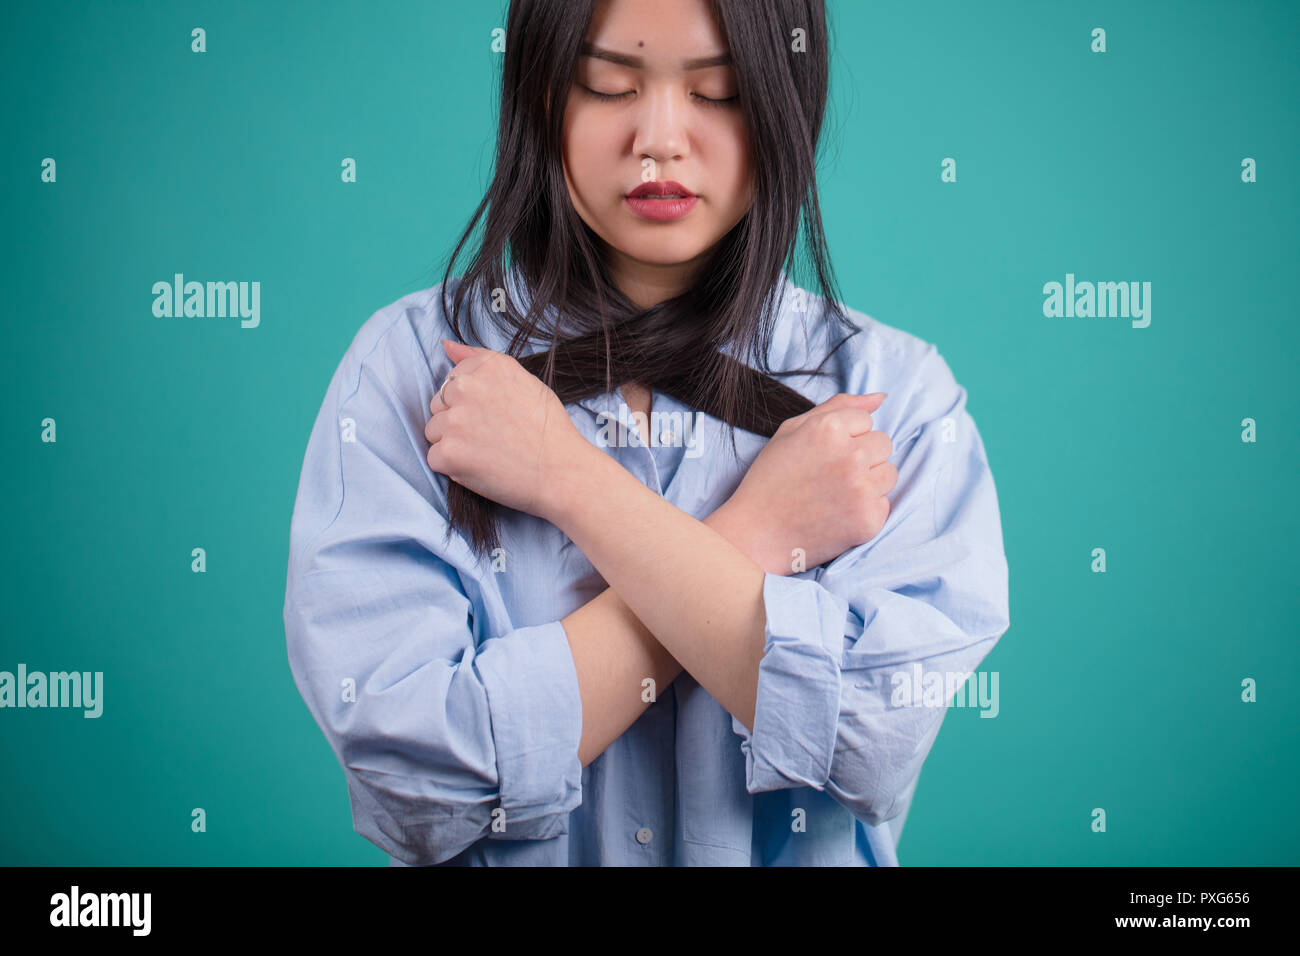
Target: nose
[661,125]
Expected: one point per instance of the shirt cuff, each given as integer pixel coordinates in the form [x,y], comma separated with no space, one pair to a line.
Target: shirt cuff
[797,709]
[536,713]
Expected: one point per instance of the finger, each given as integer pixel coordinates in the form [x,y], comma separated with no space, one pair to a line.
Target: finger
[455,379]
[845,400]
[467,365]
[885,474]
[441,401]
[437,460]
[434,427]
[456,350]
[869,402]
[879,447]
[459,352]
[856,421]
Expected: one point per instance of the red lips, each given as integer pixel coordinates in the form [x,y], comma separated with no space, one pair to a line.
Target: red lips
[656,189]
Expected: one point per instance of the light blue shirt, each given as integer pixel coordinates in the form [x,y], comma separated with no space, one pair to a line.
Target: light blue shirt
[446,688]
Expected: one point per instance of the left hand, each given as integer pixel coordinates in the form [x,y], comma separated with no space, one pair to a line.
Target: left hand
[501,432]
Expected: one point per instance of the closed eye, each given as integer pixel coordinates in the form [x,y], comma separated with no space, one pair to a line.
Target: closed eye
[707,101]
[704,100]
[606,96]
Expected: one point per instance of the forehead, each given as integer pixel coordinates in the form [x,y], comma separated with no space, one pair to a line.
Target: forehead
[675,35]
[637,62]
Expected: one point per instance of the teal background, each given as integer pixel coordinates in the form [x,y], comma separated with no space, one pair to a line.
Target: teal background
[1118,690]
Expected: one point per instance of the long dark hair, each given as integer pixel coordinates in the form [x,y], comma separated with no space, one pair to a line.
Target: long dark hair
[531,229]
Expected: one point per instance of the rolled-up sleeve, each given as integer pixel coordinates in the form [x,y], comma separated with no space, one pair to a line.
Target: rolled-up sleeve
[446,734]
[931,589]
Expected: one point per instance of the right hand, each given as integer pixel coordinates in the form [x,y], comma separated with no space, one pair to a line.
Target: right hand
[818,485]
[500,432]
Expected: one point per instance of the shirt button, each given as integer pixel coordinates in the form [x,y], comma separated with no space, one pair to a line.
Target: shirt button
[667,438]
[644,836]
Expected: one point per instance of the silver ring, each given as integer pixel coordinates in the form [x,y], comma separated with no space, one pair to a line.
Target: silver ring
[450,376]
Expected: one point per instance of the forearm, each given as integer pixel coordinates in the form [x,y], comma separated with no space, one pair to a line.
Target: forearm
[696,592]
[614,653]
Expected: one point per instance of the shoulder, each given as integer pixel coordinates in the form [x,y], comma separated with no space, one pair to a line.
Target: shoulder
[878,357]
[398,348]
[400,341]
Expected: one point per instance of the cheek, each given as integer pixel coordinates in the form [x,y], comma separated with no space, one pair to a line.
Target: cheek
[733,151]
[587,157]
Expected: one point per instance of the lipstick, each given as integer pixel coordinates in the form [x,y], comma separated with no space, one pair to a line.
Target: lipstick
[661,201]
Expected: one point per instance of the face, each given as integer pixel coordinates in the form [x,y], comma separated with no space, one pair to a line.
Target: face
[641,112]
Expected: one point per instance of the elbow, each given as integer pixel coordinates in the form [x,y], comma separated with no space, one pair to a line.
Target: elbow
[873,801]
[418,829]
[878,762]
[882,806]
[415,801]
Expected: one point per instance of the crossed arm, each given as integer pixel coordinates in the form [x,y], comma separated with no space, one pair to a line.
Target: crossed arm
[714,571]
[713,624]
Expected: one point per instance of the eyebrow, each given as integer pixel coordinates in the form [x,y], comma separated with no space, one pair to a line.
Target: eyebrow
[622,59]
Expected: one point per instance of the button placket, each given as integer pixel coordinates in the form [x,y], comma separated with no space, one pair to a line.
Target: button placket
[636,456]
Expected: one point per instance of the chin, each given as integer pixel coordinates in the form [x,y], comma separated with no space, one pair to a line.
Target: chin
[666,251]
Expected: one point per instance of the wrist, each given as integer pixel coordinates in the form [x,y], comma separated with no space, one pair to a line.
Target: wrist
[747,537]
[581,478]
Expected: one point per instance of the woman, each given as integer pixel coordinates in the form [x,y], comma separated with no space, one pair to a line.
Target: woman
[600,589]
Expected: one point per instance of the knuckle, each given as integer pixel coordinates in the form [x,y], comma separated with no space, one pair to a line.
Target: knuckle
[825,426]
[881,446]
[888,476]
[860,478]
